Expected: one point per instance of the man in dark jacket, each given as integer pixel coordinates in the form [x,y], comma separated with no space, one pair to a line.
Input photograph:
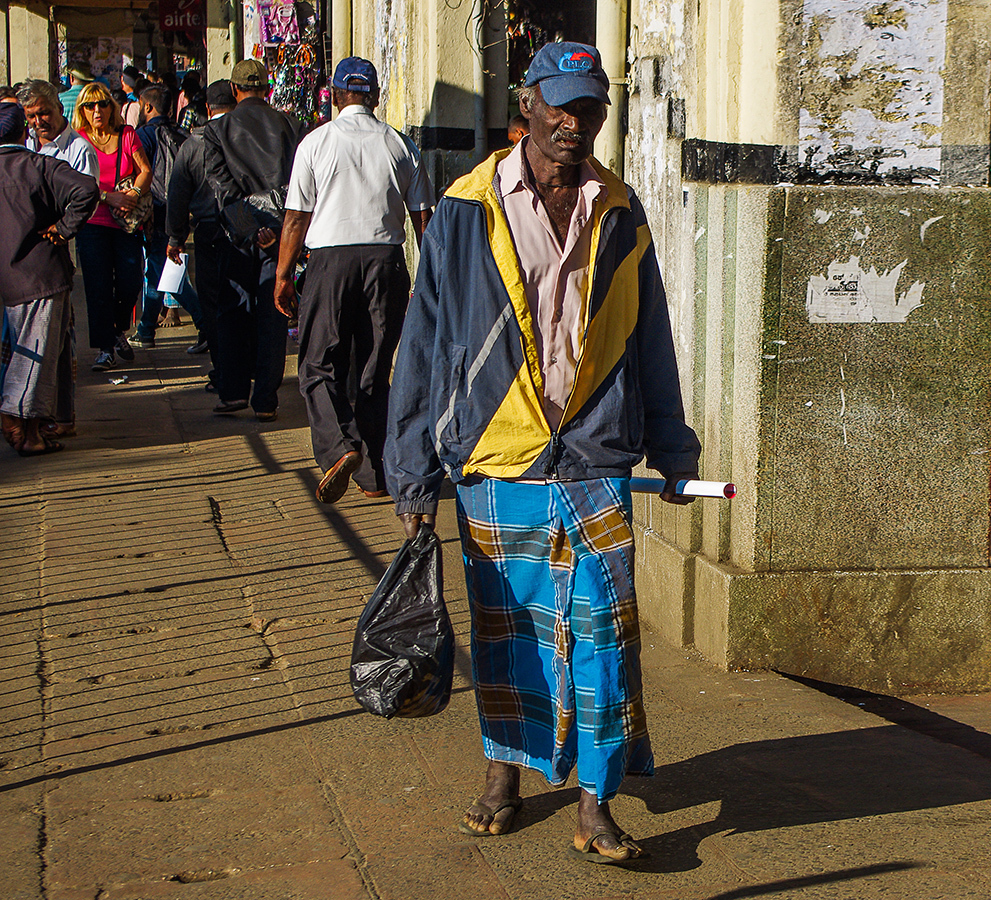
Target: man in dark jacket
[191,197]
[155,105]
[536,368]
[43,203]
[249,151]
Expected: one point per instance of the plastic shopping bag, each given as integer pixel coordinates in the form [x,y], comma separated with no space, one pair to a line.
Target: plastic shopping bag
[402,661]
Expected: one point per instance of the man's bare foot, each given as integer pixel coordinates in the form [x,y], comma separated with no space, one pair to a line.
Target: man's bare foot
[170,318]
[13,430]
[52,429]
[598,833]
[494,811]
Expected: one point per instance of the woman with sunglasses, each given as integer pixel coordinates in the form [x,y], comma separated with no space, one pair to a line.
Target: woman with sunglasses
[110,258]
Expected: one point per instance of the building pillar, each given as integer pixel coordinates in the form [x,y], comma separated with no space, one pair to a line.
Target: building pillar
[611,22]
[29,33]
[4,43]
[220,50]
[816,180]
[340,32]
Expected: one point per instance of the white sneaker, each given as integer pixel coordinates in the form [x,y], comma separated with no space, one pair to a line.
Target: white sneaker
[104,361]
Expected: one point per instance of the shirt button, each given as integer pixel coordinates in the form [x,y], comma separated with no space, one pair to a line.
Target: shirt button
[553,360]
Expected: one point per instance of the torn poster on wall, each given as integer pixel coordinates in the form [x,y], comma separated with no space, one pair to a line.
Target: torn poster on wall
[850,294]
[872,86]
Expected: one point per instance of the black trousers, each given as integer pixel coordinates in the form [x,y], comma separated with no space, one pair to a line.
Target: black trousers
[353,303]
[251,332]
[207,242]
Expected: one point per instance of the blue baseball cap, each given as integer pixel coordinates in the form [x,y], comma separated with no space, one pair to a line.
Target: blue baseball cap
[355,74]
[567,71]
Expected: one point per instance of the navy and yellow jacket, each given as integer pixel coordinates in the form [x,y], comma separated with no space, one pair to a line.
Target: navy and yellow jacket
[467,389]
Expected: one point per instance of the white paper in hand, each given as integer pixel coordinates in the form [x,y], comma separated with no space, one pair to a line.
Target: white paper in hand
[172,275]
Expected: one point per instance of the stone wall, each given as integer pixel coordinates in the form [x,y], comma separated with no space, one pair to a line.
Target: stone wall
[800,163]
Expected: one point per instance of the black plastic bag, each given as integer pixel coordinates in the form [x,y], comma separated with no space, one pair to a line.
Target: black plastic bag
[402,661]
[242,218]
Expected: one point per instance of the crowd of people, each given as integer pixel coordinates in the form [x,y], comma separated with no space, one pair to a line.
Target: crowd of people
[535,361]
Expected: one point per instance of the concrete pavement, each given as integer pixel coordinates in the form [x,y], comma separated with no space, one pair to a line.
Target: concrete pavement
[175,623]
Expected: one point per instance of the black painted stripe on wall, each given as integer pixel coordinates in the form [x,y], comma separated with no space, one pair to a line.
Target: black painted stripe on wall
[715,162]
[428,137]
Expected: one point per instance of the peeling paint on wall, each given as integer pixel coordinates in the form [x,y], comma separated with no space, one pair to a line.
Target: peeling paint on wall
[850,294]
[392,43]
[872,85]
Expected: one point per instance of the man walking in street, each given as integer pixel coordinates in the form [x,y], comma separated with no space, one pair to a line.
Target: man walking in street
[250,151]
[50,135]
[43,203]
[155,121]
[191,197]
[537,368]
[352,181]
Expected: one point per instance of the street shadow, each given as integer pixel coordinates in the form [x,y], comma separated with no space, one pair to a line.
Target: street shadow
[801,781]
[805,780]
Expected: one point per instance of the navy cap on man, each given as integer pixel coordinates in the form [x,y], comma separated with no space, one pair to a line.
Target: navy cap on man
[355,74]
[567,71]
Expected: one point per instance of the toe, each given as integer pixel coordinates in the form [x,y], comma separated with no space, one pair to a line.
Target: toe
[502,821]
[477,821]
[608,845]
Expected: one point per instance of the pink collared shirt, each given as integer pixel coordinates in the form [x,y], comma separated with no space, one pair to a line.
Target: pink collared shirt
[555,278]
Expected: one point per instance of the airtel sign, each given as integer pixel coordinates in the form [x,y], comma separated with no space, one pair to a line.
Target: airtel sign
[181,15]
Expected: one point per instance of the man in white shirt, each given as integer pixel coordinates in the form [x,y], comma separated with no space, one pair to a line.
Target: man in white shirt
[50,135]
[352,182]
[50,132]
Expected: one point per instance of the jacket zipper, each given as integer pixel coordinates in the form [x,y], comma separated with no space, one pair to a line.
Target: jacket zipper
[551,469]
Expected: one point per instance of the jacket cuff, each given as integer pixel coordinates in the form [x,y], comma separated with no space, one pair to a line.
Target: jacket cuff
[423,506]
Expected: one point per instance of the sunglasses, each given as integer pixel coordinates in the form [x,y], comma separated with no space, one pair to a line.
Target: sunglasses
[93,104]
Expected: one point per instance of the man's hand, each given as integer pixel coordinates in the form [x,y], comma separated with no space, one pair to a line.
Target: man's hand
[173,253]
[286,301]
[411,522]
[265,237]
[52,235]
[669,496]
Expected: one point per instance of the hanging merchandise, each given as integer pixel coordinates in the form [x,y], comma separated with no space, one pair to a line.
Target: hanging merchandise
[294,80]
[278,22]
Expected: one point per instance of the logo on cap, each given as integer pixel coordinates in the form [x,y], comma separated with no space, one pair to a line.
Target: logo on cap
[576,62]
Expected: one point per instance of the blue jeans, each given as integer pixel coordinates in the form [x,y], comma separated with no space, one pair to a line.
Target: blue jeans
[111,262]
[155,251]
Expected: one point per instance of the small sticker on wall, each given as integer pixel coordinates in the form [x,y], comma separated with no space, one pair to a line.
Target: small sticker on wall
[850,294]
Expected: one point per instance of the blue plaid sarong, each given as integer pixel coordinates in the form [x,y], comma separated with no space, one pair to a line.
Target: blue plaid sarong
[555,634]
[31,343]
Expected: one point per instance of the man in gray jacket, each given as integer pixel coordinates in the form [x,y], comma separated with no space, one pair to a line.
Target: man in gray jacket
[43,203]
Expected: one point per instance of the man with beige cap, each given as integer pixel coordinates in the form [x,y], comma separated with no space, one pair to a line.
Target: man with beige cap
[249,151]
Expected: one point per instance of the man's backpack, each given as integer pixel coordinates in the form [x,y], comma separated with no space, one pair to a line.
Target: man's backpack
[170,138]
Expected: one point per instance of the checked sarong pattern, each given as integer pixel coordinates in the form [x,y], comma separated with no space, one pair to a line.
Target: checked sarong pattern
[555,633]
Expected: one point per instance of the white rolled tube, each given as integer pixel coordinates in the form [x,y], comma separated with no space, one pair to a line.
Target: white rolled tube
[725,490]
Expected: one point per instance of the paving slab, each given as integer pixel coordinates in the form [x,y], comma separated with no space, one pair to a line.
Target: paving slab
[176,721]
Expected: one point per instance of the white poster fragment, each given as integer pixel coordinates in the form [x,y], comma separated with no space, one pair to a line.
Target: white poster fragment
[849,294]
[872,83]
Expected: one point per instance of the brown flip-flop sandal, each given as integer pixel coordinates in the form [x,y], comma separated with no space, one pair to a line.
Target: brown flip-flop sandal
[515,805]
[50,447]
[589,854]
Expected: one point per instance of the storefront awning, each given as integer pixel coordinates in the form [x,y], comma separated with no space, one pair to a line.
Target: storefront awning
[106,22]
